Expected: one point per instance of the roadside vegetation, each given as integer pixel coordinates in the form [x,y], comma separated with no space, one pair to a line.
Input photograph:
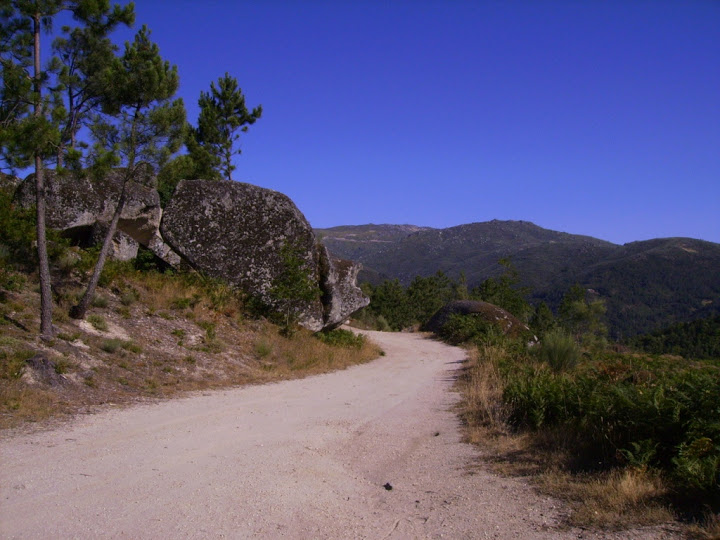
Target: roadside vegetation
[629,436]
[150,333]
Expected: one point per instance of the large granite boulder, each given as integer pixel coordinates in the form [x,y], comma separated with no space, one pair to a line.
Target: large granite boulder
[227,230]
[9,183]
[83,207]
[503,320]
[236,232]
[341,295]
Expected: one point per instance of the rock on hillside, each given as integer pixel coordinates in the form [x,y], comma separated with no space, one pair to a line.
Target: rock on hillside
[228,230]
[9,182]
[83,208]
[341,295]
[236,231]
[501,319]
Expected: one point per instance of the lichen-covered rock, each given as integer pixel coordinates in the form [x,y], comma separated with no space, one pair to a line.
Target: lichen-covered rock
[341,295]
[71,200]
[227,230]
[9,183]
[42,370]
[82,206]
[236,231]
[503,320]
[124,247]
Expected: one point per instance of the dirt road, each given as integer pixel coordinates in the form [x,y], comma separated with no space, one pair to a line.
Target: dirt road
[299,459]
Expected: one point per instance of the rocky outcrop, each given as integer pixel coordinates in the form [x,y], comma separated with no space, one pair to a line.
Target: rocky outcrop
[42,370]
[9,183]
[503,320]
[236,232]
[227,230]
[341,295]
[83,207]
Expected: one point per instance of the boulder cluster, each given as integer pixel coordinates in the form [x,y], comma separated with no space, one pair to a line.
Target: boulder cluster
[228,230]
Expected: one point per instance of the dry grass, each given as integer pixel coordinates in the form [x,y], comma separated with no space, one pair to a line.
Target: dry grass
[303,354]
[709,529]
[21,403]
[483,409]
[615,500]
[164,336]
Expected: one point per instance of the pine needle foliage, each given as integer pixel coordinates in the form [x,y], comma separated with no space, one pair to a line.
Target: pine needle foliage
[223,116]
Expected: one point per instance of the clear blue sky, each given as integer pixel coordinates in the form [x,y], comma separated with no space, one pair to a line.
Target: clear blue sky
[590,117]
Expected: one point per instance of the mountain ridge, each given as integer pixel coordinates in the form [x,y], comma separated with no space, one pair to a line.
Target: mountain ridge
[646,283]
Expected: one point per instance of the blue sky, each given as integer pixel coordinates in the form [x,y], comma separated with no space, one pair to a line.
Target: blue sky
[590,117]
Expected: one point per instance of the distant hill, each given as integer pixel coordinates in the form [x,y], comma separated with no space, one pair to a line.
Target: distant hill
[647,285]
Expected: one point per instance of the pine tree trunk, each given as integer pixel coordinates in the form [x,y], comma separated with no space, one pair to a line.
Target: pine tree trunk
[46,307]
[79,311]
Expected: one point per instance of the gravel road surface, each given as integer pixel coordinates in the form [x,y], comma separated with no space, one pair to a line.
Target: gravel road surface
[370,452]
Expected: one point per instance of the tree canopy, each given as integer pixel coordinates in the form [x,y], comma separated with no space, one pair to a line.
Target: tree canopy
[223,116]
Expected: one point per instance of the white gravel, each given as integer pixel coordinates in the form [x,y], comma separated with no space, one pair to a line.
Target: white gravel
[298,459]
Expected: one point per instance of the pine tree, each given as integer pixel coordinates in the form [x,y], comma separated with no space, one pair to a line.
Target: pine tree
[30,114]
[505,291]
[294,287]
[582,316]
[32,110]
[223,116]
[84,53]
[140,126]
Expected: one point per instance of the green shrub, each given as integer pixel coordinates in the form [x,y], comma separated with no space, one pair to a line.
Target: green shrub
[147,261]
[697,464]
[643,412]
[98,322]
[113,270]
[129,297]
[464,328]
[183,303]
[68,260]
[17,233]
[263,349]
[221,294]
[559,350]
[111,345]
[340,337]
[382,324]
[100,301]
[209,328]
[11,281]
[12,363]
[132,347]
[62,365]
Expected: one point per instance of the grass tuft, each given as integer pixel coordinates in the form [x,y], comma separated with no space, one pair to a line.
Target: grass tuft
[559,350]
[98,322]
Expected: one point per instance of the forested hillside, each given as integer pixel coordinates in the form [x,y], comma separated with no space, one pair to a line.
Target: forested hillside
[646,285]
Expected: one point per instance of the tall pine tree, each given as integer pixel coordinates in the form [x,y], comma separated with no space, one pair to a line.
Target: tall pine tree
[223,116]
[30,114]
[140,126]
[85,53]
[32,109]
